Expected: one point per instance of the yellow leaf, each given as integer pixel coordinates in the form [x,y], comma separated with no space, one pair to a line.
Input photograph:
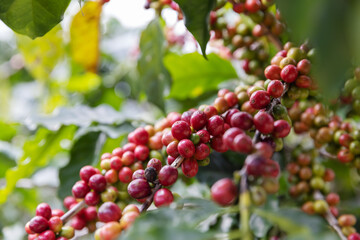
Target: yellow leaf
[85,35]
[83,83]
[42,54]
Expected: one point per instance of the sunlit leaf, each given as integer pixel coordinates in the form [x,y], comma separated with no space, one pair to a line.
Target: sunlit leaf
[7,131]
[42,54]
[193,75]
[83,83]
[85,36]
[37,153]
[32,17]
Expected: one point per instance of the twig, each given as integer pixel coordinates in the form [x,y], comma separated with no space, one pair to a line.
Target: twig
[150,199]
[330,217]
[324,153]
[244,205]
[73,211]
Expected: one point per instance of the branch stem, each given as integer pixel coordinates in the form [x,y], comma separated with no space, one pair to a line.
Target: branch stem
[73,211]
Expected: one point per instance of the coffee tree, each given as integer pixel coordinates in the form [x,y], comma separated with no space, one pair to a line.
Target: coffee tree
[264,142]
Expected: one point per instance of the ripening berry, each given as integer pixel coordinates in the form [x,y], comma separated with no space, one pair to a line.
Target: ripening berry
[242,143]
[275,89]
[141,136]
[198,120]
[272,72]
[97,182]
[289,73]
[228,114]
[202,151]
[259,99]
[204,136]
[90,214]
[55,224]
[115,163]
[190,167]
[47,235]
[264,149]
[281,128]
[329,175]
[86,172]
[38,224]
[347,220]
[345,156]
[354,236]
[68,201]
[253,5]
[92,198]
[111,176]
[109,212]
[255,164]
[168,175]
[242,120]
[304,66]
[139,174]
[67,232]
[218,144]
[186,116]
[172,149]
[118,152]
[239,7]
[155,163]
[141,152]
[163,197]
[224,192]
[321,206]
[78,223]
[127,219]
[125,175]
[173,117]
[128,158]
[332,199]
[167,138]
[215,125]
[80,189]
[231,99]
[303,81]
[345,140]
[229,135]
[57,213]
[43,210]
[264,122]
[210,111]
[186,148]
[139,188]
[180,130]
[221,104]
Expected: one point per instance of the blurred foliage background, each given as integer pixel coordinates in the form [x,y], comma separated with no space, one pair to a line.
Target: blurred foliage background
[69,96]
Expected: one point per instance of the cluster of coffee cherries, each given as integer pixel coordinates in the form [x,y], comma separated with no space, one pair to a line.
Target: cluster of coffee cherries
[309,177]
[158,6]
[351,92]
[47,225]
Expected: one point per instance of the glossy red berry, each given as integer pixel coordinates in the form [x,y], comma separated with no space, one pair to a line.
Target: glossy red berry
[186,116]
[57,213]
[332,199]
[125,175]
[97,182]
[281,128]
[43,210]
[55,224]
[304,66]
[264,122]
[259,99]
[242,120]
[141,152]
[128,158]
[210,111]
[218,144]
[92,198]
[186,148]
[242,143]
[264,149]
[204,136]
[172,149]
[139,174]
[202,151]
[118,152]
[80,189]
[38,224]
[224,192]
[141,136]
[68,201]
[354,236]
[253,5]
[109,212]
[229,135]
[239,7]
[47,235]
[255,165]
[345,156]
[155,163]
[289,73]
[139,188]
[272,72]
[163,197]
[275,88]
[215,125]
[168,175]
[198,120]
[86,172]
[115,163]
[190,167]
[180,130]
[129,147]
[231,99]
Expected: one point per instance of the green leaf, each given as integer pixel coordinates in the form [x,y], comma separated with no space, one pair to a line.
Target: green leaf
[7,131]
[197,15]
[154,76]
[38,152]
[328,26]
[8,156]
[193,76]
[32,17]
[259,226]
[175,224]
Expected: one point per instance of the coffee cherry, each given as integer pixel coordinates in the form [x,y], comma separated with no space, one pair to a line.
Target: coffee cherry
[128,219]
[168,175]
[150,174]
[139,188]
[258,195]
[275,88]
[92,198]
[125,175]
[264,149]
[186,116]
[109,212]
[281,128]
[229,135]
[348,230]
[38,224]
[221,104]
[218,144]
[272,72]
[97,182]
[115,163]
[231,99]
[141,152]
[239,7]
[67,232]
[173,117]
[172,149]
[68,201]
[320,206]
[224,192]
[47,235]
[111,176]
[55,224]
[304,159]
[345,156]
[204,136]
[255,164]
[131,208]
[190,167]
[253,5]
[86,172]
[270,185]
[128,158]
[215,125]
[329,175]
[346,220]
[332,199]
[141,136]
[155,163]
[43,210]
[210,111]
[80,189]
[163,197]
[345,140]
[241,120]
[186,148]
[259,99]
[308,207]
[202,151]
[117,152]
[198,120]
[264,122]
[354,236]
[242,143]
[139,174]
[289,73]
[180,130]
[317,183]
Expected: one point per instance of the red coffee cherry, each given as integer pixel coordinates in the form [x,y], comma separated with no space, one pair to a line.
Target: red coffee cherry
[139,174]
[281,128]
[129,147]
[125,175]
[47,235]
[111,176]
[347,220]
[141,152]
[242,143]
[118,152]
[264,149]
[253,5]
[272,72]
[218,144]
[202,151]
[186,116]
[180,130]
[224,192]
[109,212]
[128,158]
[304,66]
[80,189]
[173,117]
[332,199]
[141,136]
[155,163]
[163,197]
[345,156]
[259,99]
[186,148]
[239,7]
[204,136]
[68,201]
[289,73]
[97,182]
[167,138]
[168,175]
[90,214]
[38,224]
[190,167]
[229,135]
[228,114]
[303,81]
[92,198]
[215,125]
[115,163]
[255,165]
[57,213]
[172,149]
[43,210]
[264,122]
[55,224]
[275,88]
[139,188]
[210,111]
[198,120]
[242,120]
[231,99]
[354,236]
[86,172]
